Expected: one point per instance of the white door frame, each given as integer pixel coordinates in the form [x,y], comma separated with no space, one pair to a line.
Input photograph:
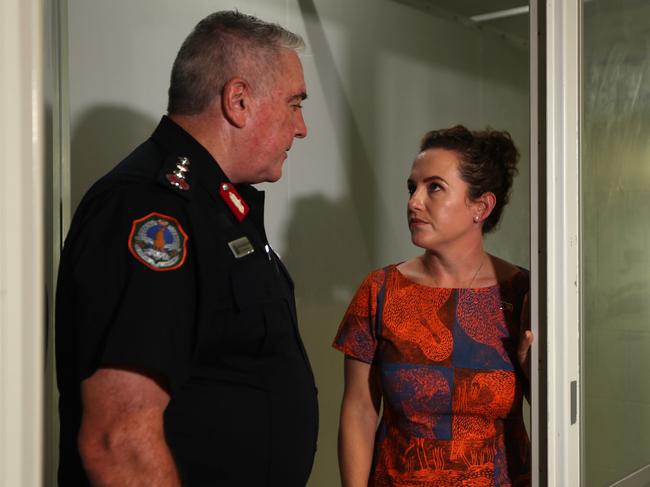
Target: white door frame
[22,286]
[562,198]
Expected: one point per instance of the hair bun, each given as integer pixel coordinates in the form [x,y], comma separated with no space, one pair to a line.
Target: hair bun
[499,147]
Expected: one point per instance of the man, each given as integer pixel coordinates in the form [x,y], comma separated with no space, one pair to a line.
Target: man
[179,356]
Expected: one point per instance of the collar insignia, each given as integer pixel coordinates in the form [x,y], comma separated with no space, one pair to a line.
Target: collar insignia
[235,202]
[177,177]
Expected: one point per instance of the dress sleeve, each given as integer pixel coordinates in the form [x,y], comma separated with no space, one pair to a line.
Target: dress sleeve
[357,333]
[126,313]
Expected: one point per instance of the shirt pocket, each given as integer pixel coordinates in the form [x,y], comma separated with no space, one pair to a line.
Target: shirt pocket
[257,305]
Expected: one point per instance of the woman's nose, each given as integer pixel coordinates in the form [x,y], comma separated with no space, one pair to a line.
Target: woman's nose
[415,201]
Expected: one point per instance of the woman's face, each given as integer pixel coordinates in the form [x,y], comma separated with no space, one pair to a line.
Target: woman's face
[440,213]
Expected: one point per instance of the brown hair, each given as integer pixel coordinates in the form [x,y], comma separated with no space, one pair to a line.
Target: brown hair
[488,162]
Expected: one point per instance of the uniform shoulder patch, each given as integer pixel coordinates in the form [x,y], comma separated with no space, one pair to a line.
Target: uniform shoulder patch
[158,241]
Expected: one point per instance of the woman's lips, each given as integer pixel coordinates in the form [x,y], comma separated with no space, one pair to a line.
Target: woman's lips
[416,222]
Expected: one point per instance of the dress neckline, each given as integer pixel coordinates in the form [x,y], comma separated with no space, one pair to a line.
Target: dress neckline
[467,289]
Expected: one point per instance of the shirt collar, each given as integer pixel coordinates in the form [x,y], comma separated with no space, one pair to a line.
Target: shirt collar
[204,169]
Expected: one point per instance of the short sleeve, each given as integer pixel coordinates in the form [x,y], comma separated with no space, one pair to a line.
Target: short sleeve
[116,310]
[358,332]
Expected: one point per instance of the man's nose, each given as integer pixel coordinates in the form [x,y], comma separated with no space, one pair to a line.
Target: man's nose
[301,127]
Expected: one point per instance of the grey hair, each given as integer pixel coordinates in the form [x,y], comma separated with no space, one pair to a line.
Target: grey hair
[223,45]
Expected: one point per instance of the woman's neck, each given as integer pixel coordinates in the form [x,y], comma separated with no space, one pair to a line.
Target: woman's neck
[459,269]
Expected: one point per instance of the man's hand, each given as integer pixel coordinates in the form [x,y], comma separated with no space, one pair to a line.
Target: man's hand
[122,440]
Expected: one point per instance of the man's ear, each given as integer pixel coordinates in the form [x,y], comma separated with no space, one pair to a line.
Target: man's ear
[235,101]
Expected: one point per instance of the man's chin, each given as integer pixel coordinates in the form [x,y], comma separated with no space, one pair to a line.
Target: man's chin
[272,178]
[274,175]
[271,175]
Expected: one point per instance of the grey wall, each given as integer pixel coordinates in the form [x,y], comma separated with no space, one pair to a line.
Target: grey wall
[379,74]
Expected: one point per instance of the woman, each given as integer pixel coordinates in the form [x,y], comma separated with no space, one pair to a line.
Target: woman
[441,339]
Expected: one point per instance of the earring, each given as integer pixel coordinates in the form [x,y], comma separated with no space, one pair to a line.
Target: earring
[475,218]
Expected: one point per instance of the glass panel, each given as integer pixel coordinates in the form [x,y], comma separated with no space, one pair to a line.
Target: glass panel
[616,240]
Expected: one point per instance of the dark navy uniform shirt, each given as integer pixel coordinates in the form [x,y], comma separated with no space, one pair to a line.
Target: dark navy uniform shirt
[148,281]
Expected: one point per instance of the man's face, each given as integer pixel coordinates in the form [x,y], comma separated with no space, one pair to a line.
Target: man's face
[277,120]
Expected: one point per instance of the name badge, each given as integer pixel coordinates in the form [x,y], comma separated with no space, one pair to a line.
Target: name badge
[241,247]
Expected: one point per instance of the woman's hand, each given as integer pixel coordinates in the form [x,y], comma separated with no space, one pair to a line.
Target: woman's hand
[525,339]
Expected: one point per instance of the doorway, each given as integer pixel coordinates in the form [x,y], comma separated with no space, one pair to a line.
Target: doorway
[371,97]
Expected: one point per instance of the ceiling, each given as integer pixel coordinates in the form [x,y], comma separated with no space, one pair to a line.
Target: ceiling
[514,27]
[469,8]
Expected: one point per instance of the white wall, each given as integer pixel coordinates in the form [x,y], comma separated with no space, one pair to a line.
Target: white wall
[379,74]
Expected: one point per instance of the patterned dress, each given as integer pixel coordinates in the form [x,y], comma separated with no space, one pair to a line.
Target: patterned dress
[451,386]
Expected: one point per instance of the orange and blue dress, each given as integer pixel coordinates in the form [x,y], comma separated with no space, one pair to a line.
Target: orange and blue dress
[451,386]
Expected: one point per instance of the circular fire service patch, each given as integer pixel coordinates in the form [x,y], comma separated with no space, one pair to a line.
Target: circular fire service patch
[158,241]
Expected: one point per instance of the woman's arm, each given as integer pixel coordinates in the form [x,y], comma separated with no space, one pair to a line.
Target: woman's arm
[358,422]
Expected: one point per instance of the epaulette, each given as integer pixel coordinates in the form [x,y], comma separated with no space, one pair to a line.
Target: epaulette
[176,175]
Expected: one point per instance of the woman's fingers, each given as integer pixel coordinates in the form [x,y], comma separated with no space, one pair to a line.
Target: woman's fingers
[525,342]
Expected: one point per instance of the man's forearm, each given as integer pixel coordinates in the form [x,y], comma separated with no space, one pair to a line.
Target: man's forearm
[122,435]
[111,461]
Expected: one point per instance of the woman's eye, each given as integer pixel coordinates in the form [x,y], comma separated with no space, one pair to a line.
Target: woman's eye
[411,190]
[433,187]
